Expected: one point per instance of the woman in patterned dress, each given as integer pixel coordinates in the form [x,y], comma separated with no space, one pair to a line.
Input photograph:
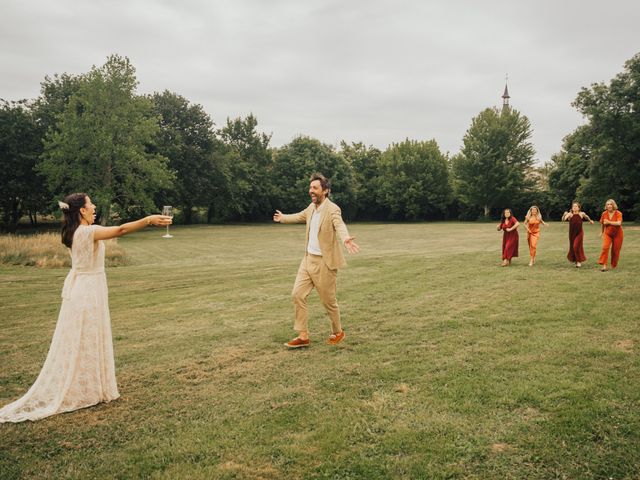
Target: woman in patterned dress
[79,370]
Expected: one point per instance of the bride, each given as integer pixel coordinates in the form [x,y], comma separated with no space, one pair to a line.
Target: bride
[79,370]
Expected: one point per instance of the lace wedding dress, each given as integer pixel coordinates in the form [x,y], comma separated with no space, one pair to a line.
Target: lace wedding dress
[79,370]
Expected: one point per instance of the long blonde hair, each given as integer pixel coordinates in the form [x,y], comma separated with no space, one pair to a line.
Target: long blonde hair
[527,217]
[613,202]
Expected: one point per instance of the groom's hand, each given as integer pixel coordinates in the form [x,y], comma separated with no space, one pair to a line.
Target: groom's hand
[277,217]
[352,247]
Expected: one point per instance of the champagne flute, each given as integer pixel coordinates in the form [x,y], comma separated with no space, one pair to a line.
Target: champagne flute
[168,211]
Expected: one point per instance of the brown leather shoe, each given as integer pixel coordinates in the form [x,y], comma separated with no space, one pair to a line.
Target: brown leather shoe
[297,343]
[335,338]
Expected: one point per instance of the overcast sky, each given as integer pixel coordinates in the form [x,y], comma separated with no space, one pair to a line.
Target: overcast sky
[375,71]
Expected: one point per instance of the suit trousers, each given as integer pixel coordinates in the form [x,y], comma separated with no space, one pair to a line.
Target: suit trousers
[313,272]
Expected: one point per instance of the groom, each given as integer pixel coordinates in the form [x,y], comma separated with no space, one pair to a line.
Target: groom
[323,256]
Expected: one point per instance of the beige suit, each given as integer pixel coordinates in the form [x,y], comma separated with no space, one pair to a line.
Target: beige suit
[320,271]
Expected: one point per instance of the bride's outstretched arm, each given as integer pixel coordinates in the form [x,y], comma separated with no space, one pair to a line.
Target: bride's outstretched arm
[105,233]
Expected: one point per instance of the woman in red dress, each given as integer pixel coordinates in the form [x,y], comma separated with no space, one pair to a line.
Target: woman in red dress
[612,236]
[510,238]
[575,217]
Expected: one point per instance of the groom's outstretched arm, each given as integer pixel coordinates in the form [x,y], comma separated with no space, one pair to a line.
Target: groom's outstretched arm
[280,217]
[341,229]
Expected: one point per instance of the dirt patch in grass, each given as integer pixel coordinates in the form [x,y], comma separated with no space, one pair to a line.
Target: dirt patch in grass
[500,447]
[228,361]
[529,413]
[624,345]
[258,472]
[402,388]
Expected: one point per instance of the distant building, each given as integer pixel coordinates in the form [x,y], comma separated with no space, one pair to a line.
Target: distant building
[505,99]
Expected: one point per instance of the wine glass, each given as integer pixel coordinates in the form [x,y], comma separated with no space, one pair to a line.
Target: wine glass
[168,211]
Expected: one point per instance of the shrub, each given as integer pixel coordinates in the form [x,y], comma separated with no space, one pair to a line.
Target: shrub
[45,250]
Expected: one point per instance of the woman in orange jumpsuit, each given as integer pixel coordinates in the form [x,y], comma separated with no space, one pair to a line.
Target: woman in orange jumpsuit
[532,222]
[611,234]
[510,238]
[575,217]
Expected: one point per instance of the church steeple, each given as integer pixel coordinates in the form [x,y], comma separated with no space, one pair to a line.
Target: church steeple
[505,96]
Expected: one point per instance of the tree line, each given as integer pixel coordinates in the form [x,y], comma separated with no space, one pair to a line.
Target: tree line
[133,153]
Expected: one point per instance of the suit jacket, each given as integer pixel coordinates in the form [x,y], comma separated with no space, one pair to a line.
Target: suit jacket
[331,226]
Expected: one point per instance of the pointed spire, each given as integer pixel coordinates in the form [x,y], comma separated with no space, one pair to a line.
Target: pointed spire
[505,95]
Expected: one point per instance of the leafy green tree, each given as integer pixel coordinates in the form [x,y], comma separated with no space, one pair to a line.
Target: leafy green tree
[364,163]
[55,94]
[493,166]
[101,143]
[413,181]
[251,188]
[188,140]
[20,146]
[34,119]
[569,169]
[293,165]
[224,199]
[610,141]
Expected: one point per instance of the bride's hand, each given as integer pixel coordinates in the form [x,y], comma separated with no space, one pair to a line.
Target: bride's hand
[160,220]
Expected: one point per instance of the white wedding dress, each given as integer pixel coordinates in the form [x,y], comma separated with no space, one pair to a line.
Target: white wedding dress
[79,370]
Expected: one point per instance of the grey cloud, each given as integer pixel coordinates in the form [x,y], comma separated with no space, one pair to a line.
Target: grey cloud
[375,71]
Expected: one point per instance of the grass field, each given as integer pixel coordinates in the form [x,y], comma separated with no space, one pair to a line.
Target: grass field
[452,367]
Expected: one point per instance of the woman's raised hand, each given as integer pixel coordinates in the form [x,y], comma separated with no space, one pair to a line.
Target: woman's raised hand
[160,220]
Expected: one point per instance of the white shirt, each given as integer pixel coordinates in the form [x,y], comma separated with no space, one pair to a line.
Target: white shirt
[313,247]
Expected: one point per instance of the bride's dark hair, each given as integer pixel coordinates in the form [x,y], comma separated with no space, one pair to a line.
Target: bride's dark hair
[71,216]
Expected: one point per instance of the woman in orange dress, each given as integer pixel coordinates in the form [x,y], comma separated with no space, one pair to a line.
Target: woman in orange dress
[510,238]
[532,222]
[612,236]
[575,217]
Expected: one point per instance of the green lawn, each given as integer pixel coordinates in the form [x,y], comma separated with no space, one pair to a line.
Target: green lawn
[452,367]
